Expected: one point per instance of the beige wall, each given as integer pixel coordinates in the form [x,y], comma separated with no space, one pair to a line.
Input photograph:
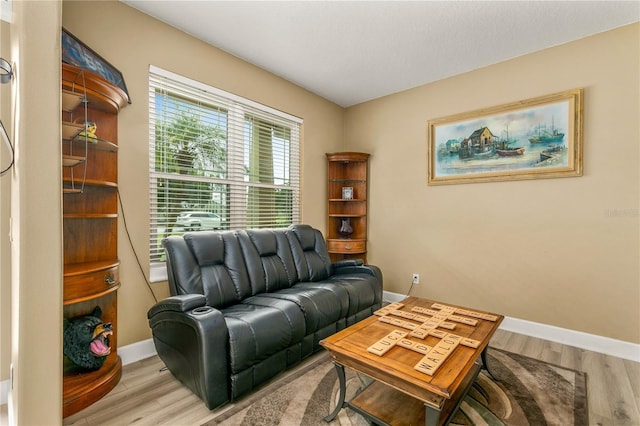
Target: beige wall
[36,213]
[562,252]
[131,41]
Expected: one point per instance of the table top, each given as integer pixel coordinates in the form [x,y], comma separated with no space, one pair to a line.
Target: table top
[396,367]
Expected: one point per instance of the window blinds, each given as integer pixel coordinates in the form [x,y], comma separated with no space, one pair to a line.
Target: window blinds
[217,161]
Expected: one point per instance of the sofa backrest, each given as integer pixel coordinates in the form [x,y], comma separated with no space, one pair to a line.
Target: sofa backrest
[309,252]
[208,263]
[267,254]
[227,267]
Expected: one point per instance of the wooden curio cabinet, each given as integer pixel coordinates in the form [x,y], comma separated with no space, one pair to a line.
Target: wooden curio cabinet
[90,215]
[347,205]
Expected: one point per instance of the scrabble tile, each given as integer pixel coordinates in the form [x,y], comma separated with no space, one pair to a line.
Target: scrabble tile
[470,342]
[378,349]
[419,333]
[463,320]
[447,325]
[438,333]
[396,321]
[448,342]
[385,344]
[426,367]
[489,317]
[385,319]
[396,334]
[406,343]
[430,362]
[414,346]
[421,318]
[419,309]
[439,317]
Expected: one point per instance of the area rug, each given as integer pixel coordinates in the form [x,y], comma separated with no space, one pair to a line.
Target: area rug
[529,392]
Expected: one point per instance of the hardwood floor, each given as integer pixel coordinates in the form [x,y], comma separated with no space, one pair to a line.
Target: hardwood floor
[146,395]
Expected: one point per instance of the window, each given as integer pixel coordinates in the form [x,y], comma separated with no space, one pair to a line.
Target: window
[217,161]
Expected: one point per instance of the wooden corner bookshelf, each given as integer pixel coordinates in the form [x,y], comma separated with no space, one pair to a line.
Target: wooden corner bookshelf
[90,215]
[347,205]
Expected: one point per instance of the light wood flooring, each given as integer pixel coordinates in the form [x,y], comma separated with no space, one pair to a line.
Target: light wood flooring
[148,396]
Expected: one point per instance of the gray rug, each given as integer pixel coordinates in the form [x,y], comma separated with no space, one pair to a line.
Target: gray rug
[530,392]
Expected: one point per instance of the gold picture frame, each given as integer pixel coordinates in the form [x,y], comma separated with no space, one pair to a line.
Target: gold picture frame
[531,139]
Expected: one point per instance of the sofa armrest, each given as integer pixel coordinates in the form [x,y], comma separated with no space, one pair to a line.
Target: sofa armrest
[348,262]
[192,340]
[347,269]
[183,303]
[340,268]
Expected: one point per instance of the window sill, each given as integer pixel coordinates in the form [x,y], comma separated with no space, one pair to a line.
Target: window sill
[158,272]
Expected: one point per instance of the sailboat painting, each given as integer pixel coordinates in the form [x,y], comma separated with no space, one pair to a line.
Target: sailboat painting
[530,139]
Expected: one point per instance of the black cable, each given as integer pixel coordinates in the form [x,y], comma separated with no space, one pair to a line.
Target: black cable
[410,288]
[124,220]
[8,142]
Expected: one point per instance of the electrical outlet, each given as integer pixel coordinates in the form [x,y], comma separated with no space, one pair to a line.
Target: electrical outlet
[416,279]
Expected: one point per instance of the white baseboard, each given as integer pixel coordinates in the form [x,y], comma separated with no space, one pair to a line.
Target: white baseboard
[578,339]
[387,296]
[137,351]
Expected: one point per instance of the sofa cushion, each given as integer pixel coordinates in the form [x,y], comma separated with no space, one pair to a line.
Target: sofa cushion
[222,268]
[340,292]
[361,289]
[320,306]
[259,330]
[208,263]
[309,253]
[268,258]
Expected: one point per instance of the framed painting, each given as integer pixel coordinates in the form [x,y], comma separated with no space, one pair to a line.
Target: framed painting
[76,53]
[531,139]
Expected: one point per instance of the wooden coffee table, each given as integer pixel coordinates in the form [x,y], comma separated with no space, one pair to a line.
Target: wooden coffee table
[448,360]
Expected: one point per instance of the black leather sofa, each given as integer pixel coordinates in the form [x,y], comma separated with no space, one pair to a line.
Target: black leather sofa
[246,305]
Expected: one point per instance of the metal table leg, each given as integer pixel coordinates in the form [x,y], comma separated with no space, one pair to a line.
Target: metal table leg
[343,391]
[483,356]
[431,415]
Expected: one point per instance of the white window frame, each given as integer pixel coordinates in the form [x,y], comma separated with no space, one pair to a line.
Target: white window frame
[235,160]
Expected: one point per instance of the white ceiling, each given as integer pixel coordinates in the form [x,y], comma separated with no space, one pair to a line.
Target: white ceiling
[354,51]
